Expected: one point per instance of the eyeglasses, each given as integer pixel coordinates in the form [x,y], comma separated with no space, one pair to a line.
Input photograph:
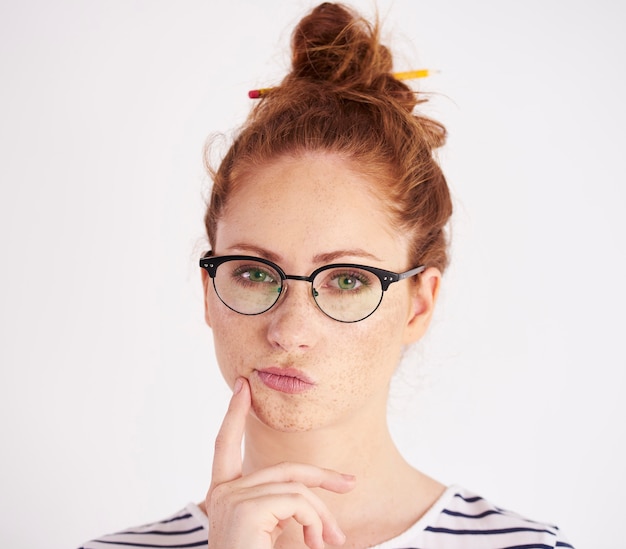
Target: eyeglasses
[345,292]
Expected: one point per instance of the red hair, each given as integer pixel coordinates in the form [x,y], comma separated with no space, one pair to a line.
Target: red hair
[341,97]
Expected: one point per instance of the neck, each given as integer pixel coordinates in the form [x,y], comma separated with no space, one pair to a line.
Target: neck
[361,447]
[355,446]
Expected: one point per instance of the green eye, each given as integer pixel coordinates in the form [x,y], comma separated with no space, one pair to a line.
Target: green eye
[256,275]
[347,282]
[251,274]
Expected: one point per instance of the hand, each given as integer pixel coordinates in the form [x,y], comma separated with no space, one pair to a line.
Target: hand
[251,511]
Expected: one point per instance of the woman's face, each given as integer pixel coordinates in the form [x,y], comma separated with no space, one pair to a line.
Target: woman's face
[303,213]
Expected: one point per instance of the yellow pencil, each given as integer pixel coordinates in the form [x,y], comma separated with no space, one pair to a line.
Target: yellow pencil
[407,75]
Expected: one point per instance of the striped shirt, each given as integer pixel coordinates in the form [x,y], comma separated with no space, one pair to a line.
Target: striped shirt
[458,520]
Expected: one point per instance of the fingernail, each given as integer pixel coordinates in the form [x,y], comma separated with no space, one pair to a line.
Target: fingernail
[238,385]
[350,478]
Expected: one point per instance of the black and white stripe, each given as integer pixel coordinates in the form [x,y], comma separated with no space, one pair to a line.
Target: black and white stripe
[463,520]
[187,528]
[458,520]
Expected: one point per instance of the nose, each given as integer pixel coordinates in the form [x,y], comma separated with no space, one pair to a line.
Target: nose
[294,320]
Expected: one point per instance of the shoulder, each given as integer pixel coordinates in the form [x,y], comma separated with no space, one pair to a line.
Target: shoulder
[186,528]
[461,518]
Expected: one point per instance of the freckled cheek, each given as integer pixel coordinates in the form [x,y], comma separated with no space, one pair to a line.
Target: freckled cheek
[371,361]
[377,350]
[233,346]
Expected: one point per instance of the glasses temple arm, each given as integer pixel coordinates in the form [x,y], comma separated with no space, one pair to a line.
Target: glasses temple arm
[412,272]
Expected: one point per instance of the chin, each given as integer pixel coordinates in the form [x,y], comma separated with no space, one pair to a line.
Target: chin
[285,418]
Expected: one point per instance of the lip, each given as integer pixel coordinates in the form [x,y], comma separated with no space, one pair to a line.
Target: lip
[285,380]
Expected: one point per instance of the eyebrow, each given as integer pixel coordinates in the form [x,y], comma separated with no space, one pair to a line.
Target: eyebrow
[332,256]
[324,258]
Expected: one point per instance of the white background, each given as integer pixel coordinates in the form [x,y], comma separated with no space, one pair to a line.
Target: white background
[109,393]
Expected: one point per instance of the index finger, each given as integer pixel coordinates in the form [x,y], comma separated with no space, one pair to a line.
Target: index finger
[227,463]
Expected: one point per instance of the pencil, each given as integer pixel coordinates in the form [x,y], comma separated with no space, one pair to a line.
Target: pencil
[407,75]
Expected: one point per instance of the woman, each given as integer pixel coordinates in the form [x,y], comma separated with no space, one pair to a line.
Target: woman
[326,226]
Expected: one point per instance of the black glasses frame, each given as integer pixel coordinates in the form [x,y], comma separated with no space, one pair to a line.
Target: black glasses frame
[210,263]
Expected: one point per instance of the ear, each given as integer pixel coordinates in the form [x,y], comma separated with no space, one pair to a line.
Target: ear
[423,297]
[206,282]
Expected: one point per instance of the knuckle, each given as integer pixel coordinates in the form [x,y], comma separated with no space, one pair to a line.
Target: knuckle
[298,487]
[218,493]
[297,498]
[248,505]
[291,471]
[244,509]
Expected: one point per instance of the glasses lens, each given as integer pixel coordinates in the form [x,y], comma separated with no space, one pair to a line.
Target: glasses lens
[247,286]
[347,294]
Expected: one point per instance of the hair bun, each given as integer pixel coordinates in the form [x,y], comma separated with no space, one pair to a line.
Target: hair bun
[334,44]
[342,98]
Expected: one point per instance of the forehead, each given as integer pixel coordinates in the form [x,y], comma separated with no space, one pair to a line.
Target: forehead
[313,204]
